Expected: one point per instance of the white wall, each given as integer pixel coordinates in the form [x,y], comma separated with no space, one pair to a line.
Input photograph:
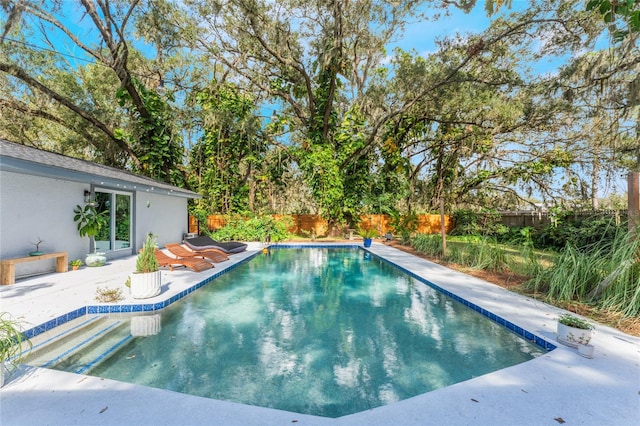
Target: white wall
[164,216]
[34,207]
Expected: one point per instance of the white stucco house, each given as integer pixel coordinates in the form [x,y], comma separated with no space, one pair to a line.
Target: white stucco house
[39,191]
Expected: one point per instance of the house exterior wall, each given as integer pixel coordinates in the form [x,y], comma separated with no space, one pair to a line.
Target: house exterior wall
[33,208]
[164,216]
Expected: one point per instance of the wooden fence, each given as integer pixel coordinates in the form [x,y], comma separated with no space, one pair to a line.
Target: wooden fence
[314,225]
[540,219]
[308,224]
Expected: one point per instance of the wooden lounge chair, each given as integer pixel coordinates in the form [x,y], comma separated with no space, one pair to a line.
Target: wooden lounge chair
[182,252]
[195,264]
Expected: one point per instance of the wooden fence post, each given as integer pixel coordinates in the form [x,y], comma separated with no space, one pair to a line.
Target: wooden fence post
[442,228]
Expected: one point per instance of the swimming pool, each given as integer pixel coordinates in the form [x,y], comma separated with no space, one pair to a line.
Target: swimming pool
[319,331]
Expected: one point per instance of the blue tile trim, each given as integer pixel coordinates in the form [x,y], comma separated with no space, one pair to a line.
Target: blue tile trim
[105,309]
[495,318]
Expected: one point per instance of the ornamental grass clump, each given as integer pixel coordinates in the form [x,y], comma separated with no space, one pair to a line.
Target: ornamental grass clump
[606,275]
[13,344]
[431,245]
[147,261]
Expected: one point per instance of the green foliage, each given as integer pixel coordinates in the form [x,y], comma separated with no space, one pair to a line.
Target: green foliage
[157,144]
[146,261]
[611,11]
[230,156]
[90,222]
[367,233]
[257,228]
[197,210]
[580,232]
[334,167]
[606,274]
[431,245]
[404,225]
[481,223]
[76,262]
[13,344]
[575,322]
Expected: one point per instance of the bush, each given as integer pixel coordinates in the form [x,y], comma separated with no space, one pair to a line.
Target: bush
[582,234]
[483,223]
[257,228]
[405,226]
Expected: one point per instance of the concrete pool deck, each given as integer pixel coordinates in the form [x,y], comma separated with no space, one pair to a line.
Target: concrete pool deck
[558,387]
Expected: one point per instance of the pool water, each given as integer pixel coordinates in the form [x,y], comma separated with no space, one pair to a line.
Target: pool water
[320,331]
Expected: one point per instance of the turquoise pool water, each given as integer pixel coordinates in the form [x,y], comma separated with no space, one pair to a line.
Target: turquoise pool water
[320,331]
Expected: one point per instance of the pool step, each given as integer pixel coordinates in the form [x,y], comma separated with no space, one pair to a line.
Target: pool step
[82,346]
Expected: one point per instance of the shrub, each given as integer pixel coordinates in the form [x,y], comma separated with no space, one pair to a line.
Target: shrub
[581,233]
[254,229]
[405,226]
[471,222]
[146,261]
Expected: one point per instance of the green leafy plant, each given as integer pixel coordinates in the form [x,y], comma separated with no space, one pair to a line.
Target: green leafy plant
[367,233]
[90,221]
[76,262]
[13,344]
[404,225]
[254,229]
[575,322]
[146,261]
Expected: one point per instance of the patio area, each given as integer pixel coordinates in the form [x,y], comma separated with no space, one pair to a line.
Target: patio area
[558,387]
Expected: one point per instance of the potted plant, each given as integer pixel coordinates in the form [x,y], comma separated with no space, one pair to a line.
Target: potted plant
[367,235]
[75,264]
[573,331]
[146,282]
[90,222]
[13,346]
[37,251]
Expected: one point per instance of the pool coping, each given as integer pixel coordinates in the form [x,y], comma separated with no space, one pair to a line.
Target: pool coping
[534,392]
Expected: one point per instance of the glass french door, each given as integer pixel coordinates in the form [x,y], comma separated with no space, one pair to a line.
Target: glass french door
[117,207]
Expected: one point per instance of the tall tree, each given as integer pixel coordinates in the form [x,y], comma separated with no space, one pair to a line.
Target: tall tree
[108,45]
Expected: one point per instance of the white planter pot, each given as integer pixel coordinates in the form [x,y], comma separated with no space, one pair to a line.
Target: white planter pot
[95,259]
[145,285]
[572,336]
[586,350]
[3,373]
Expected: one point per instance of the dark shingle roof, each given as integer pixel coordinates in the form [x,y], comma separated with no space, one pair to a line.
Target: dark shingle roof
[25,159]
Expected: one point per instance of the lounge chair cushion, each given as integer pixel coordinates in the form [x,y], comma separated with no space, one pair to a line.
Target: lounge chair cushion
[205,242]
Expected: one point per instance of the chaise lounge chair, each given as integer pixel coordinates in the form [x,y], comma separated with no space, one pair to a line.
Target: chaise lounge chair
[205,242]
[213,255]
[197,265]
